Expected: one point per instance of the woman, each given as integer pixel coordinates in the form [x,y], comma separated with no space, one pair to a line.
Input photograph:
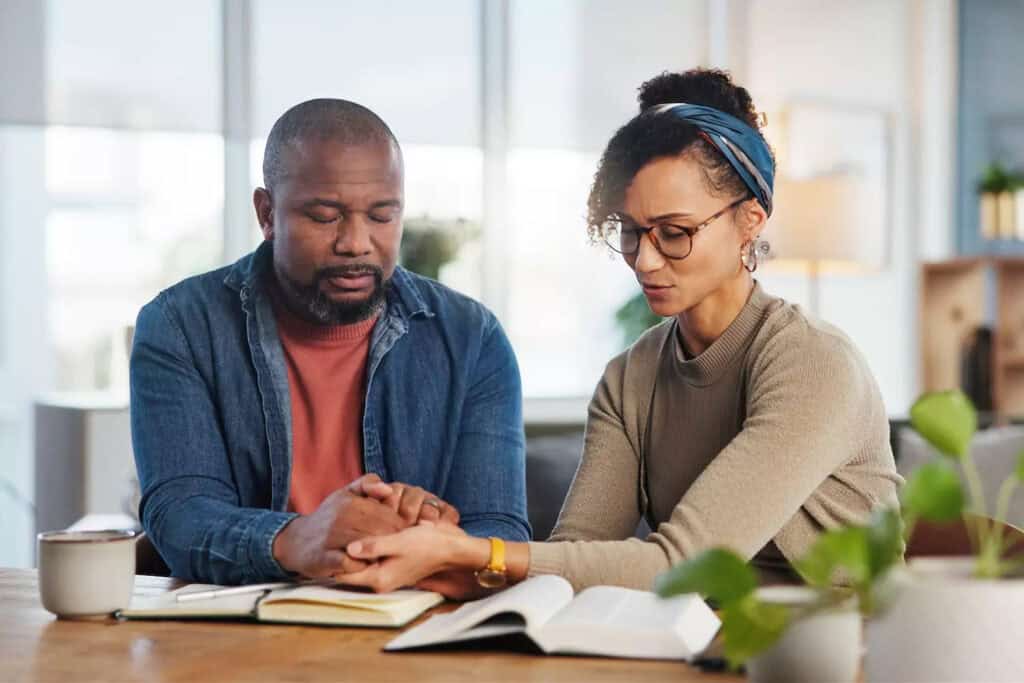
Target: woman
[738,422]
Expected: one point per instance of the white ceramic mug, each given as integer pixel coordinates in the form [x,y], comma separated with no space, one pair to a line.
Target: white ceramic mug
[85,574]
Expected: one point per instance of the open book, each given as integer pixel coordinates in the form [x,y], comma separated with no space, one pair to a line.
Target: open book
[307,604]
[603,620]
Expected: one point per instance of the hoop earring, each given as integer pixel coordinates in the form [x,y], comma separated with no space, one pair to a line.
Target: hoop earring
[752,252]
[748,259]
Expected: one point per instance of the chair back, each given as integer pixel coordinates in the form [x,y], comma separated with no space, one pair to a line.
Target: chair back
[931,539]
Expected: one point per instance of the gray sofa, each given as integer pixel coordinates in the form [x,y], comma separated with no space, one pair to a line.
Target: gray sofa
[551,462]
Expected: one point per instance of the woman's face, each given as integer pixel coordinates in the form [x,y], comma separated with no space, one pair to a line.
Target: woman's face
[671,191]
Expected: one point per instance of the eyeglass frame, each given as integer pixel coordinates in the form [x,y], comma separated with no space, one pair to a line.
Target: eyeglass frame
[649,231]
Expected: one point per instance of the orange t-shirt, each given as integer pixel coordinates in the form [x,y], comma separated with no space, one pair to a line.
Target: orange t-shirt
[327,383]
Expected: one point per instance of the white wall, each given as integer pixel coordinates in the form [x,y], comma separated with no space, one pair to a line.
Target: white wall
[899,56]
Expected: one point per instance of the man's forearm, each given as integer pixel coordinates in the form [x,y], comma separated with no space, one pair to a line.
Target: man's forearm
[209,540]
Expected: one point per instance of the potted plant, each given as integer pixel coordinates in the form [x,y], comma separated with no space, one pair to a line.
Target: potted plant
[998,211]
[797,634]
[428,244]
[955,618]
[813,633]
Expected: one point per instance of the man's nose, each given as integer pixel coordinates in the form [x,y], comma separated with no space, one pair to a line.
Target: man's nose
[353,236]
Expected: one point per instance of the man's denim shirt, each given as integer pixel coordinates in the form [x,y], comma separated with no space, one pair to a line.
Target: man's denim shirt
[211,418]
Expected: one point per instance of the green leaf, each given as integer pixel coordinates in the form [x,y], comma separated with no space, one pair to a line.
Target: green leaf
[1019,472]
[717,574]
[749,627]
[845,548]
[946,420]
[995,179]
[885,540]
[933,492]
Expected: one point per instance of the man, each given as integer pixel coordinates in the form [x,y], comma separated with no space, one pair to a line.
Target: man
[272,398]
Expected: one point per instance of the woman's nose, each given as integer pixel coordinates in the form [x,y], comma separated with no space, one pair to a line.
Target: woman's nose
[648,258]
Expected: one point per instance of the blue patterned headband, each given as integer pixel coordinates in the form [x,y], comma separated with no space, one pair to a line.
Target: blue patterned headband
[743,147]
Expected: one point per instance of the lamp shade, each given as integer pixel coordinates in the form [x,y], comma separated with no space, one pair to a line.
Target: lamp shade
[818,219]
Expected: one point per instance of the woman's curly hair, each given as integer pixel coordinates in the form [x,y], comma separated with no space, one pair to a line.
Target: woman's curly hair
[646,138]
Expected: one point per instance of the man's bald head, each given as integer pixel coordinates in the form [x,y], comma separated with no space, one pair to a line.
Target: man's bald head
[321,119]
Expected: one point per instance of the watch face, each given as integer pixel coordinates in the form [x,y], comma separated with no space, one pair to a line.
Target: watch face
[489,578]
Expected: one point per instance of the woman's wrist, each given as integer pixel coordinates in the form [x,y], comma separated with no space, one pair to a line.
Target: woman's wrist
[472,553]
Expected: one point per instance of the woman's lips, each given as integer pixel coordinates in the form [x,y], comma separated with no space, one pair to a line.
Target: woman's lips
[656,291]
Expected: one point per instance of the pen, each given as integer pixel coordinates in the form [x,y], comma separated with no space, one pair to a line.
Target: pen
[235,590]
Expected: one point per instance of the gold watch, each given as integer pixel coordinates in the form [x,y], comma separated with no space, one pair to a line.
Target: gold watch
[495,574]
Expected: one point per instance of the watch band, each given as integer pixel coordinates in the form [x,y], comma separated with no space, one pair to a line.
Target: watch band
[494,574]
[497,561]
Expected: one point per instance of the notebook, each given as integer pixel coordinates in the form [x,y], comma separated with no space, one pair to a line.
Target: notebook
[603,620]
[304,604]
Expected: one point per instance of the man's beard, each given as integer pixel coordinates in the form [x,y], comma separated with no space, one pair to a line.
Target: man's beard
[315,306]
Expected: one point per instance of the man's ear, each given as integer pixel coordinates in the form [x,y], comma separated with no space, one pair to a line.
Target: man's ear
[264,211]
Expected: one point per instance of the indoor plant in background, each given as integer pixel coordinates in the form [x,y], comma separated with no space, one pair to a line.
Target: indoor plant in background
[428,244]
[813,633]
[634,318]
[998,198]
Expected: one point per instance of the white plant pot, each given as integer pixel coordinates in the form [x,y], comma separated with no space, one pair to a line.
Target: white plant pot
[823,647]
[945,625]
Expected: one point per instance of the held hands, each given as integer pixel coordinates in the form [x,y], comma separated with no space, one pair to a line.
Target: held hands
[437,557]
[412,503]
[313,545]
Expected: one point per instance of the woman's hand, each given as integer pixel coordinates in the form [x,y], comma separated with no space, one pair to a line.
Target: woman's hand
[414,554]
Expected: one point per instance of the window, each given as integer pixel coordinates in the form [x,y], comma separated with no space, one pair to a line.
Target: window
[130,214]
[574,70]
[418,66]
[128,64]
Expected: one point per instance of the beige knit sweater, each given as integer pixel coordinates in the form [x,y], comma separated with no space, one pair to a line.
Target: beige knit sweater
[775,431]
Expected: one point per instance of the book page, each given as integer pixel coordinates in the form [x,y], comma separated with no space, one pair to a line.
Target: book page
[336,606]
[166,605]
[522,607]
[619,622]
[339,596]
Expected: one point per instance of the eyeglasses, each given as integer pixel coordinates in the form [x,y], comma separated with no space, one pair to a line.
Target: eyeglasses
[671,241]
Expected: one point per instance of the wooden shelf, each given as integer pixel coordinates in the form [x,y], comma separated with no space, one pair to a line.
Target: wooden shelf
[961,296]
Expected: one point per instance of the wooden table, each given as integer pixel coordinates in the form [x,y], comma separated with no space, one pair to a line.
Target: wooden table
[35,646]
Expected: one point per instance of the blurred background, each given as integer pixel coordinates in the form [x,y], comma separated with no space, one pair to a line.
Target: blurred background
[132,131]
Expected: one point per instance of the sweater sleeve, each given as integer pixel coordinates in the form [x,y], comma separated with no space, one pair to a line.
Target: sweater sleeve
[603,501]
[813,407]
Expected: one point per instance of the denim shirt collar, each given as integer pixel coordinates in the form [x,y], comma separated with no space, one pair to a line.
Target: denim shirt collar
[248,277]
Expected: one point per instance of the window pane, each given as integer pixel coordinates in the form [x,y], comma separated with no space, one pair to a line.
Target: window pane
[575,69]
[563,291]
[576,64]
[124,63]
[416,64]
[130,213]
[23,348]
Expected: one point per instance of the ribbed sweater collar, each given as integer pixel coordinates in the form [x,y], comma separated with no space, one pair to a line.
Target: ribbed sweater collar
[706,368]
